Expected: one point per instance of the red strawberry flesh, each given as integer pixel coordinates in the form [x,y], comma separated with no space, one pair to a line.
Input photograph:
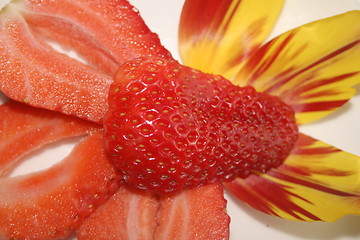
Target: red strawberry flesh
[34,73]
[133,214]
[197,214]
[25,129]
[170,127]
[128,214]
[104,33]
[115,27]
[51,204]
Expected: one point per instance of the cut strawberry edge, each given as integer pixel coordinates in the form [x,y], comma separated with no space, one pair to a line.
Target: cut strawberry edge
[135,214]
[105,34]
[128,214]
[68,37]
[114,27]
[198,213]
[51,204]
[36,74]
[26,129]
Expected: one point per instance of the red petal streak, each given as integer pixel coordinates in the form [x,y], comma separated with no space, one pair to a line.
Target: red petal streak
[260,54]
[303,85]
[305,146]
[197,16]
[330,56]
[289,176]
[263,194]
[216,36]
[318,106]
[291,188]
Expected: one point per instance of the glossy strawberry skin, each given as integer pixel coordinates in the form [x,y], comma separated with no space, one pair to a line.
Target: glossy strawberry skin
[171,127]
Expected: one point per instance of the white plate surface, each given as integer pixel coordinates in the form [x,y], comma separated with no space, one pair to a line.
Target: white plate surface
[341,129]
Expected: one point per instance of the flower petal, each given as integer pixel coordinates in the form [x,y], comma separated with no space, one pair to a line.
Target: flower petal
[313,68]
[216,36]
[314,178]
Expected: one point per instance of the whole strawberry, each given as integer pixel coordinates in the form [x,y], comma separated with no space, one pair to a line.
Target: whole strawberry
[171,127]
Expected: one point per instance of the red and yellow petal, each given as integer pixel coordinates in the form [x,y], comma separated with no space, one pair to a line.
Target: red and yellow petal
[215,36]
[317,182]
[313,68]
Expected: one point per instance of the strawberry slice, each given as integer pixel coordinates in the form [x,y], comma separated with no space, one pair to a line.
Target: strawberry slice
[128,214]
[114,28]
[133,214]
[34,73]
[197,214]
[51,204]
[22,121]
[105,33]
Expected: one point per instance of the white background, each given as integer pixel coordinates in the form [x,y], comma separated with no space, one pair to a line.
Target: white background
[341,129]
